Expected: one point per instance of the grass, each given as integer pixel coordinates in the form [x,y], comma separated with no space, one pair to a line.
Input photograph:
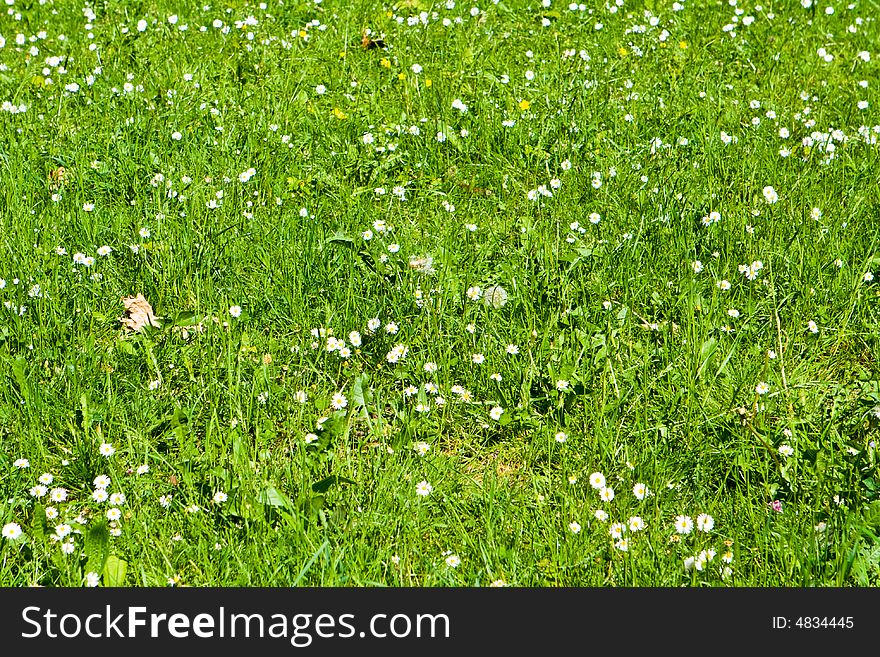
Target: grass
[316,176]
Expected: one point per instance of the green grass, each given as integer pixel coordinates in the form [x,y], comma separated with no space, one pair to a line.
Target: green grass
[661,378]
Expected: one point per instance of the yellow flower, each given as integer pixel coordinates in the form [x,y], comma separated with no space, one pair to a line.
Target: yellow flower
[524,104]
[622,51]
[339,114]
[401,76]
[682,44]
[428,82]
[303,34]
[385,62]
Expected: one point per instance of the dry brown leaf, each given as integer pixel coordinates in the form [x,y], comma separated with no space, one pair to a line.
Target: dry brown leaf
[140,313]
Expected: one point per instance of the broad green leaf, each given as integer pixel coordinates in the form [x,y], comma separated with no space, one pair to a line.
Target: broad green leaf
[360,390]
[340,238]
[325,484]
[188,318]
[271,496]
[114,571]
[96,546]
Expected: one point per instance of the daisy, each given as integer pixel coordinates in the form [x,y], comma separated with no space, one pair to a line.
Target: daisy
[11,531]
[705,522]
[58,494]
[684,524]
[770,195]
[597,480]
[423,489]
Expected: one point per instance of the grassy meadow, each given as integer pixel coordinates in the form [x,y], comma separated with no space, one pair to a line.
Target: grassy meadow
[457,293]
